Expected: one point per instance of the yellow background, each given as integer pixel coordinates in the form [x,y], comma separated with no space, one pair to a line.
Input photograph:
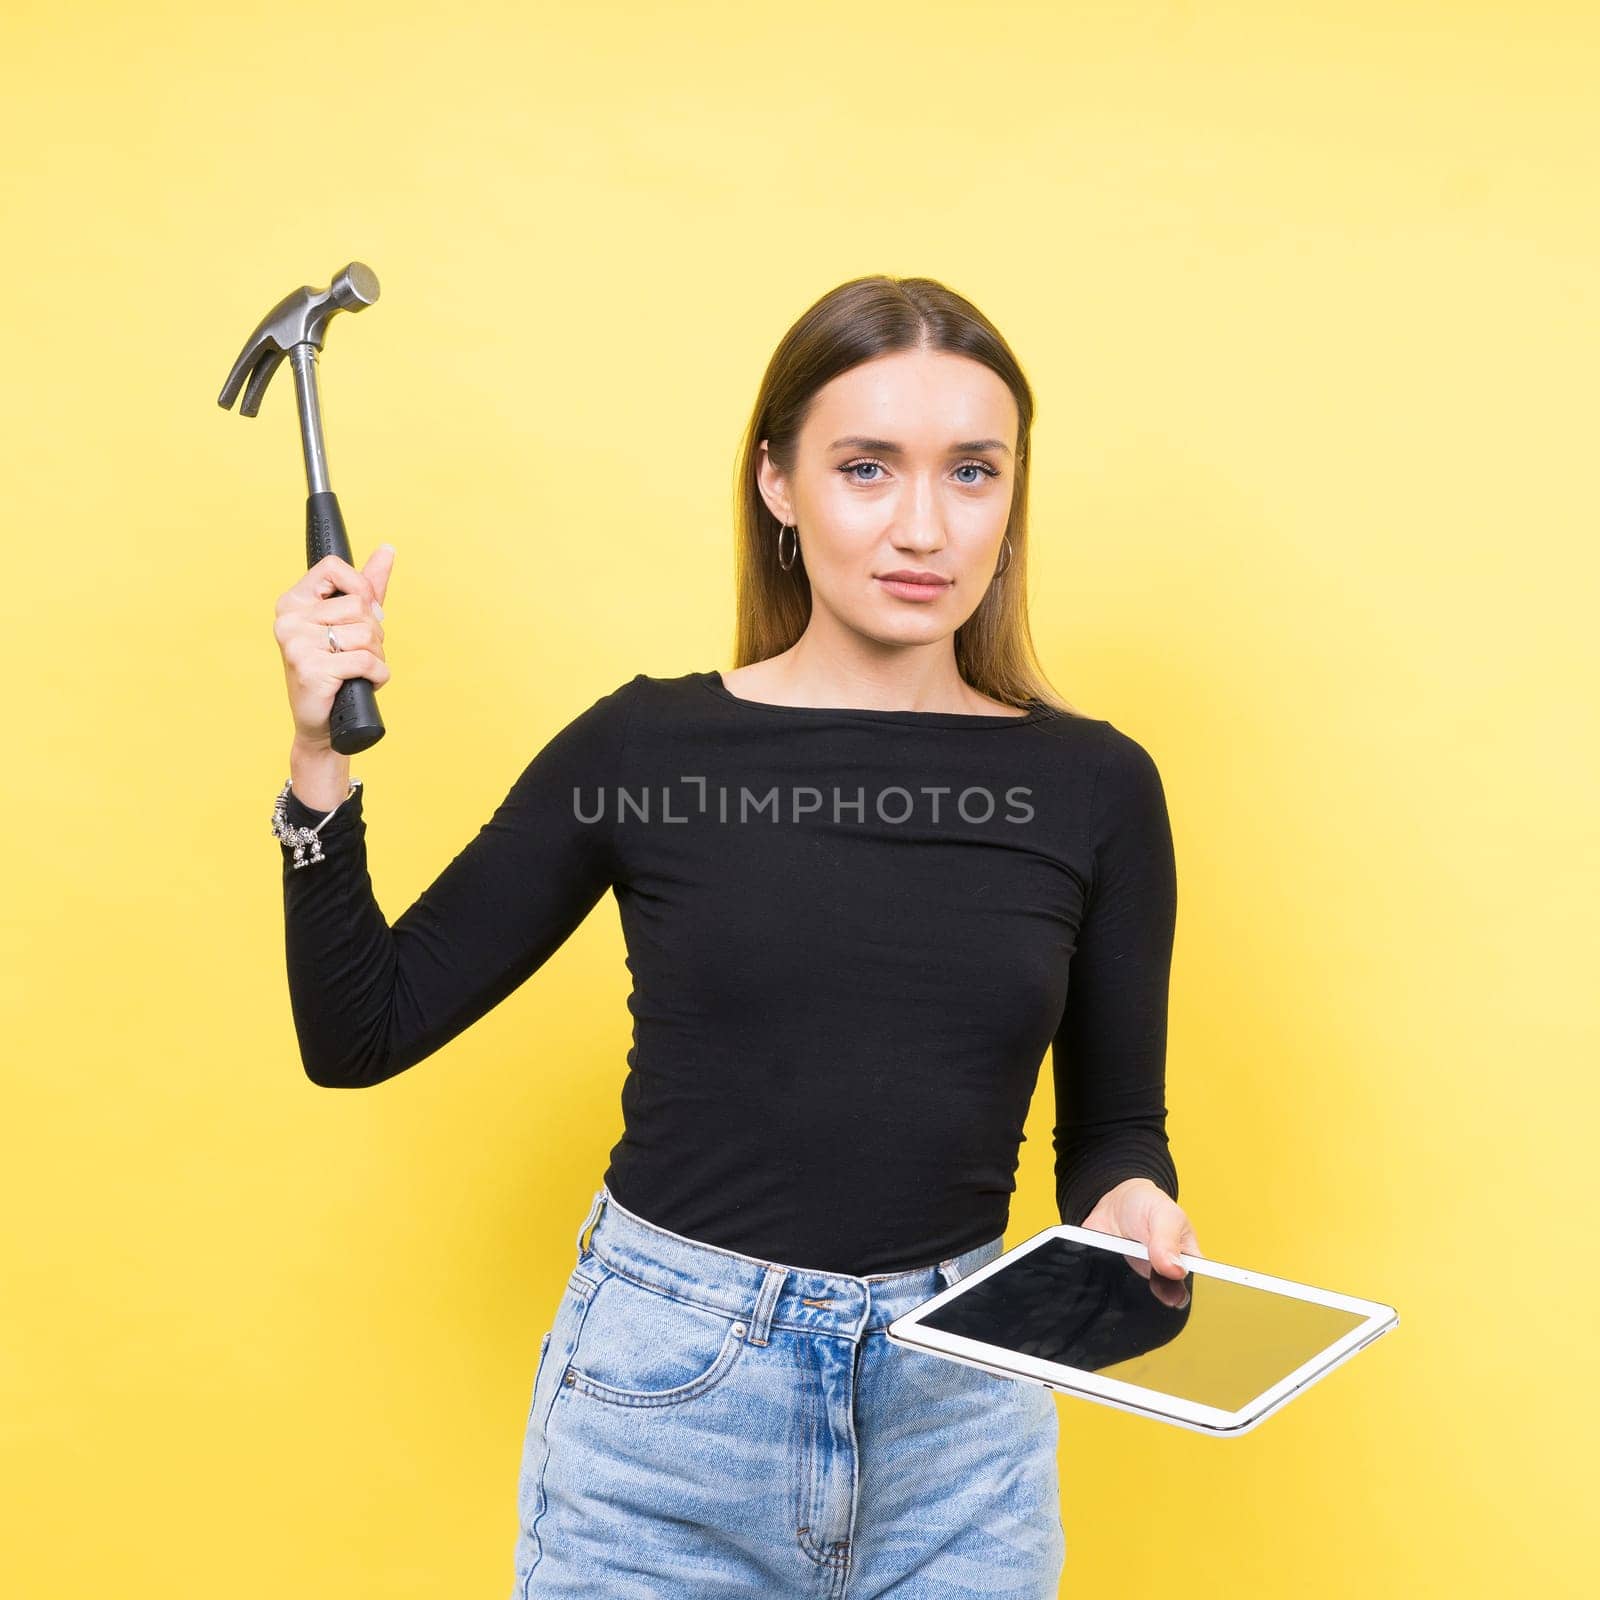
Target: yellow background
[1308,300]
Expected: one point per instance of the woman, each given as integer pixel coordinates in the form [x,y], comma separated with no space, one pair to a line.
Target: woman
[853,876]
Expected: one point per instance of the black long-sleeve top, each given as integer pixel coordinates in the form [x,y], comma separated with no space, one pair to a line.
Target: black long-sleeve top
[852,935]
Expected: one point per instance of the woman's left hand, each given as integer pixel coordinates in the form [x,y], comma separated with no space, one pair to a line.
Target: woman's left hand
[1140,1210]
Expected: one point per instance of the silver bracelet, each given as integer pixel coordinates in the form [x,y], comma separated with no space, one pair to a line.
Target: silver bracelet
[301,837]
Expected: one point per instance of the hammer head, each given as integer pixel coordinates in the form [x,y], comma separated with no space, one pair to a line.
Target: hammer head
[298,318]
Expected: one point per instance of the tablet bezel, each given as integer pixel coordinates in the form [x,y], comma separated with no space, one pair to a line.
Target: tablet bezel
[1377,1319]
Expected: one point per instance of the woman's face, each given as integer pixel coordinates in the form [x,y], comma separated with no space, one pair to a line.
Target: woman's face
[905,464]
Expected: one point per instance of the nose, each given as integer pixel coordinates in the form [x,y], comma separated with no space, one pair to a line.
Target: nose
[920,528]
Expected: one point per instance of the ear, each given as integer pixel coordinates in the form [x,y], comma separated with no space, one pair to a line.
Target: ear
[774,486]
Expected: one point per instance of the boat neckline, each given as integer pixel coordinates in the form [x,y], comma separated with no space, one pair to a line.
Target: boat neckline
[963,719]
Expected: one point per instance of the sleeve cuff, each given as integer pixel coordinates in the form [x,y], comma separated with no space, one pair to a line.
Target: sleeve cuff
[1082,1192]
[299,815]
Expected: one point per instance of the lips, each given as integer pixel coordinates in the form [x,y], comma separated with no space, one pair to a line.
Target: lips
[905,575]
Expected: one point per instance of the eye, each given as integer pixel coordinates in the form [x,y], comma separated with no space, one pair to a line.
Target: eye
[850,468]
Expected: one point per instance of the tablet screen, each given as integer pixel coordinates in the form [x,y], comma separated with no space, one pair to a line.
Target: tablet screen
[1087,1307]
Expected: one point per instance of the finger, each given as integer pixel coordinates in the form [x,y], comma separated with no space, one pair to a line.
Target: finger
[353,664]
[1170,1246]
[1172,1292]
[379,565]
[308,630]
[333,575]
[343,608]
[360,634]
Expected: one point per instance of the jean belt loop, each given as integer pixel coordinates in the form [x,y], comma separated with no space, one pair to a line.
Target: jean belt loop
[596,1206]
[950,1271]
[772,1281]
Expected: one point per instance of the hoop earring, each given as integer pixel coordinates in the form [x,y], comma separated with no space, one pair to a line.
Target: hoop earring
[787,565]
[1007,562]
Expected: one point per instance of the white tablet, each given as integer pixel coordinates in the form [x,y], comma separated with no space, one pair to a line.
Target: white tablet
[1068,1309]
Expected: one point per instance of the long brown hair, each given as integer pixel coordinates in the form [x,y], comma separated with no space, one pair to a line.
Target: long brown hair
[859,320]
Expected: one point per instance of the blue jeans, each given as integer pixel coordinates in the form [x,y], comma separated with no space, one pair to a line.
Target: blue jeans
[707,1424]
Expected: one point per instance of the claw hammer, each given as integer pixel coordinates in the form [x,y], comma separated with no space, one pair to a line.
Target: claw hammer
[295,328]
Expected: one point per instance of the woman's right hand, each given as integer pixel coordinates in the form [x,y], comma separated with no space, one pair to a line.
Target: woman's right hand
[332,594]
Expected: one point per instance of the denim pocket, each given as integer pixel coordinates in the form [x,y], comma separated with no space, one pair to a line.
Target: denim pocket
[641,1347]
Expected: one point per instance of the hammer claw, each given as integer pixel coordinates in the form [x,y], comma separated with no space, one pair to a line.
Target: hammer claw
[241,368]
[260,377]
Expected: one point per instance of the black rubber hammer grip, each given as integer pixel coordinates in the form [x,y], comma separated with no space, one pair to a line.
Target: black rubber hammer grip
[354,724]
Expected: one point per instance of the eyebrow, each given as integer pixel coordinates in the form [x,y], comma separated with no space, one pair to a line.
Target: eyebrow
[888,447]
